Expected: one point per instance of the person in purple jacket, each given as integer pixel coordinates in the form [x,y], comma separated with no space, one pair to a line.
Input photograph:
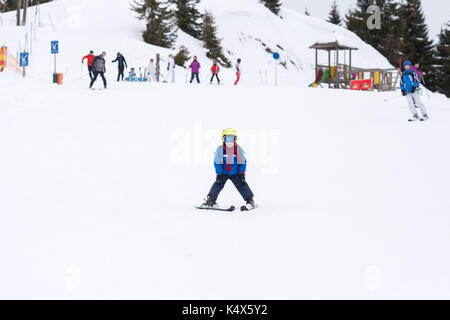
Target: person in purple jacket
[195,69]
[415,69]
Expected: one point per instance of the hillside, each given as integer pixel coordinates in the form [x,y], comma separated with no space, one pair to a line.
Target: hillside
[80,27]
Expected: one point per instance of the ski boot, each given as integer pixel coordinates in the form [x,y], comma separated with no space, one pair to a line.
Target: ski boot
[209,202]
[425,117]
[249,206]
[414,118]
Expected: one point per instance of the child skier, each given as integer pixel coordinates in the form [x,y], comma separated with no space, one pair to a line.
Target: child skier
[131,75]
[195,70]
[215,69]
[419,73]
[238,71]
[170,69]
[151,71]
[408,84]
[230,164]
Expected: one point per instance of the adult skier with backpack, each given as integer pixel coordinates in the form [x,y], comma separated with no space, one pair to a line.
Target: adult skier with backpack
[122,64]
[215,69]
[230,164]
[195,69]
[99,69]
[408,84]
[90,61]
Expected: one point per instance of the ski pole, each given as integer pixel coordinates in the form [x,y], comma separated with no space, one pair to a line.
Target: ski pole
[425,85]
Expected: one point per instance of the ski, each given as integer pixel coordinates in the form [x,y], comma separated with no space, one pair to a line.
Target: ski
[230,209]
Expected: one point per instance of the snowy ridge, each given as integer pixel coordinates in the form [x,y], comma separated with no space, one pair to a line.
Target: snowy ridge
[246,27]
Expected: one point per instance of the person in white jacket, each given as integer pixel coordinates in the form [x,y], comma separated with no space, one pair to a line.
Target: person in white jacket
[170,69]
[151,71]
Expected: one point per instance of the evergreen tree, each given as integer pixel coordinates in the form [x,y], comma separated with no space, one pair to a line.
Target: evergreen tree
[334,16]
[417,47]
[443,61]
[211,42]
[182,56]
[188,17]
[386,40]
[272,5]
[160,22]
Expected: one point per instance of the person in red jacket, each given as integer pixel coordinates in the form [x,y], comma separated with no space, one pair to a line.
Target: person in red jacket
[215,69]
[90,59]
[238,71]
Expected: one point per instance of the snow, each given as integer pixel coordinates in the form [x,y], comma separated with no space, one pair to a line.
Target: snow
[97,188]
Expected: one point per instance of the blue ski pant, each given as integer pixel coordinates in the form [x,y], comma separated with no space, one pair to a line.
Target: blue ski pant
[196,76]
[238,181]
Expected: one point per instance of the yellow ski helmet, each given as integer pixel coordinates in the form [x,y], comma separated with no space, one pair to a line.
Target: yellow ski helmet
[229,132]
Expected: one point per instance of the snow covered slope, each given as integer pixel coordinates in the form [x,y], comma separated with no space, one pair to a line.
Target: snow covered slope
[246,26]
[97,192]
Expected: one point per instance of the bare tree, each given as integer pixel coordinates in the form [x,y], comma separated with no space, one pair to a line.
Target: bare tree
[25,7]
[19,5]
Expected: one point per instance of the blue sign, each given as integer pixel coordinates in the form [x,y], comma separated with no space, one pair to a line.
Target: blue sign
[55,47]
[276,55]
[24,59]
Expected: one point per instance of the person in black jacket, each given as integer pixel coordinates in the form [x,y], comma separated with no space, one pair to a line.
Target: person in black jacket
[99,69]
[122,65]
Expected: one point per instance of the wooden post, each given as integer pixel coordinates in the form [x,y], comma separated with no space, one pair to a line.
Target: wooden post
[158,58]
[329,67]
[316,63]
[336,71]
[350,67]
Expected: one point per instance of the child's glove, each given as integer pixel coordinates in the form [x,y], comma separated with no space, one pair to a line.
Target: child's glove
[413,89]
[404,92]
[241,176]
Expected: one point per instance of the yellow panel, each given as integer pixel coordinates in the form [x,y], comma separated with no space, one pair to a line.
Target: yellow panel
[376,77]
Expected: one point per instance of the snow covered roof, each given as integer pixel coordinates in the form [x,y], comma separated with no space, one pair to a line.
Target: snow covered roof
[331,46]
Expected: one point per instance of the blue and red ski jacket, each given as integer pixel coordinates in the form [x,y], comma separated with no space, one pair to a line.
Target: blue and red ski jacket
[230,161]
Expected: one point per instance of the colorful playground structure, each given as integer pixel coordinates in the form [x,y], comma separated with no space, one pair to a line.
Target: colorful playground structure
[8,61]
[346,76]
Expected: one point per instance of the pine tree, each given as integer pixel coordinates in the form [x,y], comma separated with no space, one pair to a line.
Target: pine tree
[182,56]
[386,40]
[443,61]
[334,16]
[160,22]
[272,5]
[188,17]
[417,47]
[211,42]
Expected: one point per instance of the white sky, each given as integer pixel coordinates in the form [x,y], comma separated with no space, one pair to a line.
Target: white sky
[437,12]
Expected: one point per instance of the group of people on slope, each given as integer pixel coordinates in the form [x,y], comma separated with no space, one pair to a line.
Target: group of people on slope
[97,66]
[215,69]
